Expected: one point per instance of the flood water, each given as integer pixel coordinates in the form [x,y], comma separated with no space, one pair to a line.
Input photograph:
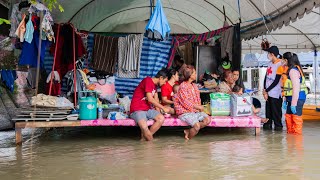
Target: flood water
[117,153]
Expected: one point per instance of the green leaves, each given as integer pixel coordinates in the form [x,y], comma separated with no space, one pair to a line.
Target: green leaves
[51,4]
[4,21]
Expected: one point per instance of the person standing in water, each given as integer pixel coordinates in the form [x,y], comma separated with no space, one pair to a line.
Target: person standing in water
[272,90]
[295,91]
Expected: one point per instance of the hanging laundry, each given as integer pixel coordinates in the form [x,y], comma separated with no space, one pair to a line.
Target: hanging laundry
[104,53]
[21,29]
[8,77]
[29,52]
[31,78]
[129,53]
[46,24]
[64,56]
[16,17]
[68,82]
[56,85]
[154,56]
[37,7]
[54,75]
[28,36]
[227,42]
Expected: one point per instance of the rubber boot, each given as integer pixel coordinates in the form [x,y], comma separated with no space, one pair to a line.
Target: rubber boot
[297,124]
[289,123]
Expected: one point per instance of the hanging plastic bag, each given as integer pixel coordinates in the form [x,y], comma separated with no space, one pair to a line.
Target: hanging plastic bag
[125,102]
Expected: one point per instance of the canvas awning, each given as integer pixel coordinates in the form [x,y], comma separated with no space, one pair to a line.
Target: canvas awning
[302,35]
[196,16]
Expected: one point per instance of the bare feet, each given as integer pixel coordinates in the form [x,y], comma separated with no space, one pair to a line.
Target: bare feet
[142,137]
[264,120]
[147,134]
[186,134]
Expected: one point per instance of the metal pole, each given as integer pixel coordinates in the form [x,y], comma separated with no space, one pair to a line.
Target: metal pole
[39,55]
[315,76]
[197,62]
[54,60]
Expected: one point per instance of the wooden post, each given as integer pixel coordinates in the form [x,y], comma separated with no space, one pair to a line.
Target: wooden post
[257,131]
[18,136]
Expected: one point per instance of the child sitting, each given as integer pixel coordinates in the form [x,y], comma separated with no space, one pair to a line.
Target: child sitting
[175,91]
[256,104]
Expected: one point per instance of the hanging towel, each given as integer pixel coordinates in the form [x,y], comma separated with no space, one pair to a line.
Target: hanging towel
[21,29]
[129,53]
[226,43]
[104,53]
[56,76]
[28,36]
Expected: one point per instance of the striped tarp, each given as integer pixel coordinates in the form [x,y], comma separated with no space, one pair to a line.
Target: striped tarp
[154,56]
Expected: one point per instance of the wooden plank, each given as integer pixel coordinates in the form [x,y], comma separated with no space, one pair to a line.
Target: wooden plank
[18,136]
[40,119]
[45,112]
[42,115]
[39,124]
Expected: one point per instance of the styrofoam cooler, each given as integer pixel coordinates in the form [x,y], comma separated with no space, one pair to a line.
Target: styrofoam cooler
[220,104]
[241,105]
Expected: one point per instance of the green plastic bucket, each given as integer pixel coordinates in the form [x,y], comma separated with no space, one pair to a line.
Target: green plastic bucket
[87,105]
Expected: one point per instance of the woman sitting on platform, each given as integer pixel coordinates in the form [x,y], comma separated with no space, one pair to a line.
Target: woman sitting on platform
[187,104]
[167,90]
[227,83]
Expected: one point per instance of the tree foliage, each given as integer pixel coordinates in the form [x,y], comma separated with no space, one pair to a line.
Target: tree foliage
[51,4]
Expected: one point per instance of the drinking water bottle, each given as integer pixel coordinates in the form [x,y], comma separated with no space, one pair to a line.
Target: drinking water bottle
[100,112]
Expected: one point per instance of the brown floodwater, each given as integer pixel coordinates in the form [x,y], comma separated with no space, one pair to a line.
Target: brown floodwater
[117,153]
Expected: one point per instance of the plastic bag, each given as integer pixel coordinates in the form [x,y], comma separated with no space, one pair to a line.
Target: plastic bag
[114,115]
[125,102]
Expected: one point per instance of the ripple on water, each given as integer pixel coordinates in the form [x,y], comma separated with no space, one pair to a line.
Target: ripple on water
[118,154]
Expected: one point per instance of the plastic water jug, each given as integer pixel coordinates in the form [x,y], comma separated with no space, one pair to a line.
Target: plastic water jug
[87,105]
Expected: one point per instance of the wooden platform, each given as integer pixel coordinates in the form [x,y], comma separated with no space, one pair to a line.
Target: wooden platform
[309,113]
[223,121]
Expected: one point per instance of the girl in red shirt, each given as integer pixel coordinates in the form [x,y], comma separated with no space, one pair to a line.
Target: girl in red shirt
[167,90]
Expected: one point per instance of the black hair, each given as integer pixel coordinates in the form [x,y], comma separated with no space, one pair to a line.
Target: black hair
[293,60]
[177,57]
[178,61]
[225,75]
[235,69]
[171,73]
[162,73]
[236,88]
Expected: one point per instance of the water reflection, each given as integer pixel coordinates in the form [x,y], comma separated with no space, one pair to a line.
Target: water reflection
[95,154]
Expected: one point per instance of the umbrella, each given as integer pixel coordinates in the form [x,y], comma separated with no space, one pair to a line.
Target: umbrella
[158,27]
